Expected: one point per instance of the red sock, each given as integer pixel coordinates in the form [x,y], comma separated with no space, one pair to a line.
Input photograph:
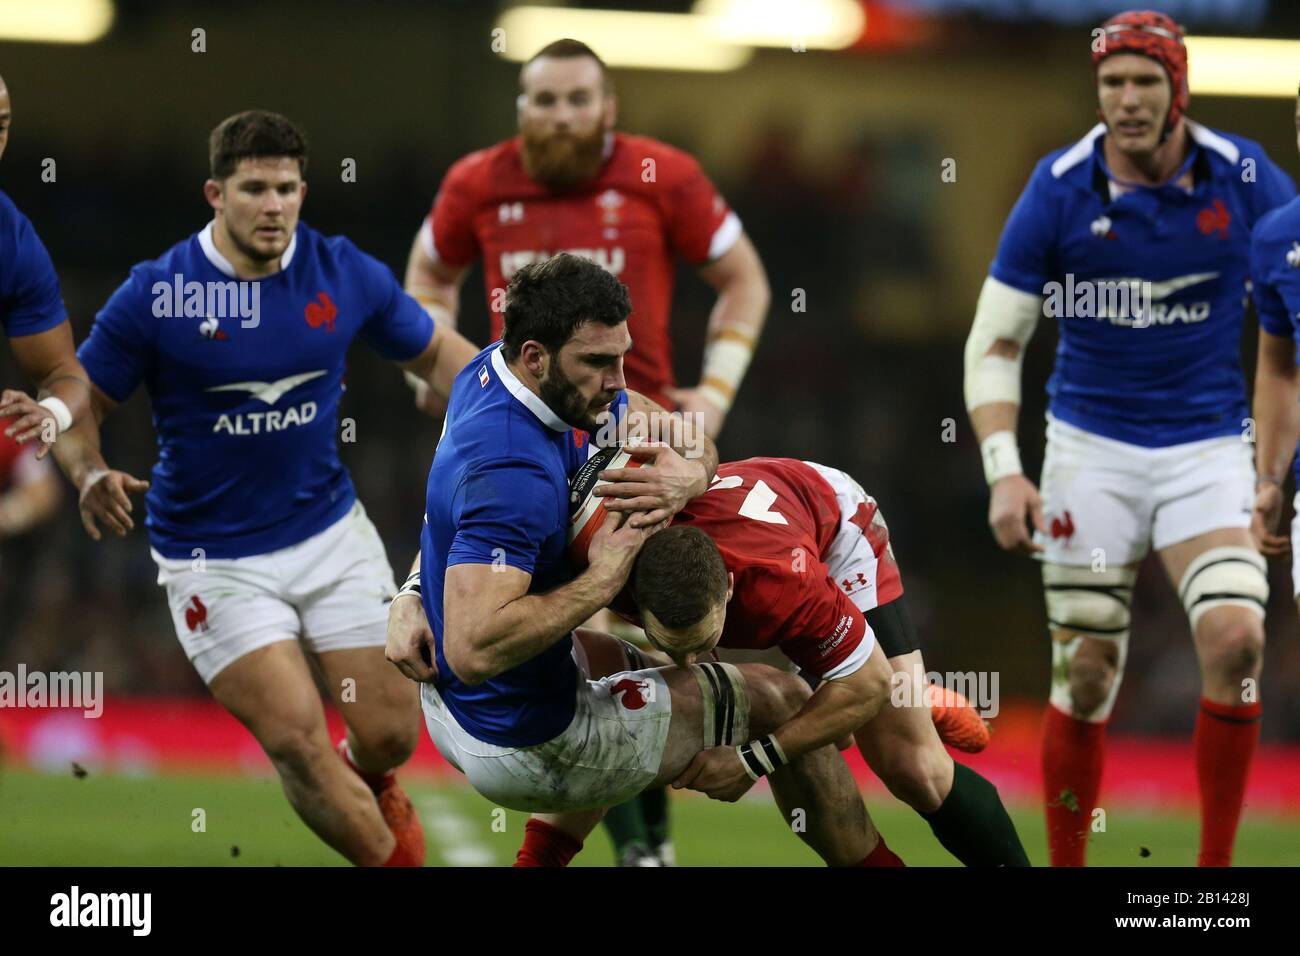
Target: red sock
[545,845]
[1226,735]
[377,782]
[881,856]
[404,855]
[1072,761]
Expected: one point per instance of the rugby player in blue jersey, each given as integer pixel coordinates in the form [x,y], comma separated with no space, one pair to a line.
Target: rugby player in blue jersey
[1275,272]
[36,324]
[1136,239]
[536,719]
[239,334]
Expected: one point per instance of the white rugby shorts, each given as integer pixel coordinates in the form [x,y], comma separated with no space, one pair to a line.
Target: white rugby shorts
[610,752]
[1116,501]
[332,590]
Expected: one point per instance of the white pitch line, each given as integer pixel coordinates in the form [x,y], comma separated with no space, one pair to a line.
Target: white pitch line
[455,833]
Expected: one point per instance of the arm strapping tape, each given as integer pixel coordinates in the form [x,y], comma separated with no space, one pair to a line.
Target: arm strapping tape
[1003,312]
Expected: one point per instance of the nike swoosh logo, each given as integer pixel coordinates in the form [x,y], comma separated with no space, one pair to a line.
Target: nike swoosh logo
[1166,287]
[269,392]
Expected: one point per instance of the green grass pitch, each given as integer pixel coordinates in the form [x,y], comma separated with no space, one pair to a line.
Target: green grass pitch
[108,820]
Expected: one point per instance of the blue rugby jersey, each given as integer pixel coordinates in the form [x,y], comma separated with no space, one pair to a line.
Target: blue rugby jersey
[245,379]
[1172,373]
[29,289]
[498,492]
[1275,273]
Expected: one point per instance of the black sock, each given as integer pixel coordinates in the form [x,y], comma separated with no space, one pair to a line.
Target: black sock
[973,825]
[654,810]
[626,826]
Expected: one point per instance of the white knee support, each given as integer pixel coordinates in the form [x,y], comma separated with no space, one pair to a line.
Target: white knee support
[1092,604]
[1229,576]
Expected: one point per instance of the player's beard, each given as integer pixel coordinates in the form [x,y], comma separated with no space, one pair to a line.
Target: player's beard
[562,397]
[563,160]
[252,251]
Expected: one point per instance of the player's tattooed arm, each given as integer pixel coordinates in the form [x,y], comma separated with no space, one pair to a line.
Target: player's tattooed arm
[492,623]
[48,359]
[680,461]
[1277,429]
[104,493]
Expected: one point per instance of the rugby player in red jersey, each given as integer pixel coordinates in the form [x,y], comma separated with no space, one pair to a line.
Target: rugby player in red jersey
[569,183]
[791,554]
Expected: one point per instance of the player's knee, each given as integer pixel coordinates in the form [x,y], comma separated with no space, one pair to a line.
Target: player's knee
[1091,680]
[774,698]
[1234,648]
[916,775]
[389,744]
[1088,612]
[297,749]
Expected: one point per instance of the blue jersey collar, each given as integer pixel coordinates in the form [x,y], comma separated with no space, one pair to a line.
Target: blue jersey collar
[527,396]
[224,266]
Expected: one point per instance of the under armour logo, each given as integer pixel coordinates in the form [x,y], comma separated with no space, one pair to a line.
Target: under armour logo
[1293,256]
[849,585]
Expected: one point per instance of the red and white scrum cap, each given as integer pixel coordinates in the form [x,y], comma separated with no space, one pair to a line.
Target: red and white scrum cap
[1153,35]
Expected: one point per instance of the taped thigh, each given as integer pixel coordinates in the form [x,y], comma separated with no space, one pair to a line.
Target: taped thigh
[726,704]
[1224,577]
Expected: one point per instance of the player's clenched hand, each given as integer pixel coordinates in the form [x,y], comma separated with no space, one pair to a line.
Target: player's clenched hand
[1264,521]
[22,418]
[658,489]
[1013,500]
[410,642]
[104,497]
[717,772]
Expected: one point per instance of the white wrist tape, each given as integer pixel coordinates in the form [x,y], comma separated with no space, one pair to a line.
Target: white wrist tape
[412,585]
[1003,313]
[726,359]
[1001,456]
[59,409]
[762,756]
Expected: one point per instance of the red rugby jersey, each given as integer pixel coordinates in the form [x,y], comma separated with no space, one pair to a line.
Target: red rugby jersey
[774,519]
[649,203]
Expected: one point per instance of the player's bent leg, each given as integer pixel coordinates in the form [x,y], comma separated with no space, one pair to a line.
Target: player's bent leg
[271,692]
[638,840]
[1088,616]
[1223,583]
[902,746]
[380,707]
[382,711]
[720,704]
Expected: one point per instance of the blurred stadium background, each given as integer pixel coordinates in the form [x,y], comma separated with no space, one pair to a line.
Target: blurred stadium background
[832,158]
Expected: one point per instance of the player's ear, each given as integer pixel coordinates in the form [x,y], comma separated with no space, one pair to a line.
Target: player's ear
[611,110]
[534,356]
[731,585]
[212,193]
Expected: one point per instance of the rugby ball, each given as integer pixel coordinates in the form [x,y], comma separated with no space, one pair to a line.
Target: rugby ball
[587,510]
